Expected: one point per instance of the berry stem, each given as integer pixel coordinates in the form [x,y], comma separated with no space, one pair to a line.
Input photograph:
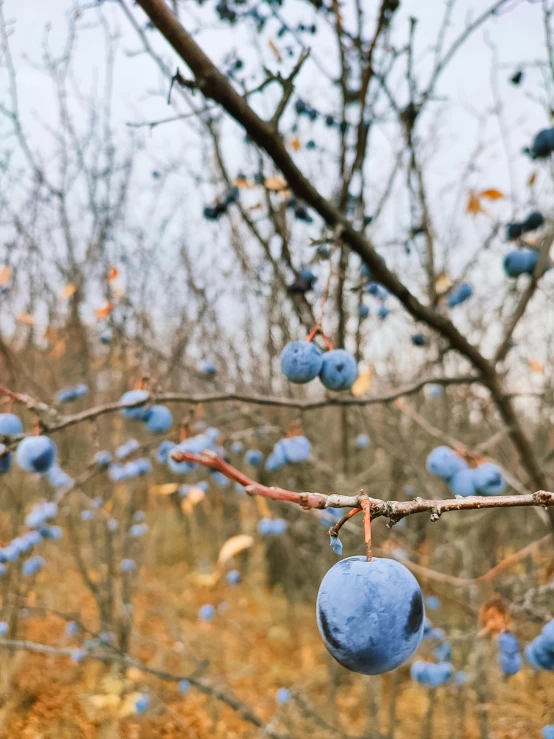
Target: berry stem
[334,530]
[366,508]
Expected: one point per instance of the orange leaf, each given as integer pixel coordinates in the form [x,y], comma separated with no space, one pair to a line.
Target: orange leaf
[113,273]
[275,50]
[362,384]
[494,616]
[232,547]
[535,366]
[167,488]
[5,275]
[275,183]
[474,204]
[491,194]
[105,311]
[443,283]
[26,318]
[532,179]
[295,143]
[67,291]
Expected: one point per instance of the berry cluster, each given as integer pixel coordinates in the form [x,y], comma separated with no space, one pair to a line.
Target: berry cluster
[486,479]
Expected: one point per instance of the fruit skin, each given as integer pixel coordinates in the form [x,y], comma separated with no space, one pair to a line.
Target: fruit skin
[513,231]
[36,454]
[489,479]
[362,440]
[548,732]
[444,462]
[431,674]
[338,370]
[134,396]
[463,483]
[543,144]
[383,312]
[254,457]
[363,311]
[370,614]
[296,449]
[10,424]
[540,652]
[301,361]
[520,262]
[5,459]
[158,419]
[418,340]
[459,294]
[533,221]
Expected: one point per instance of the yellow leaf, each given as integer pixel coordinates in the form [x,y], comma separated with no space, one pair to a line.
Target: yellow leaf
[204,579]
[59,348]
[275,183]
[113,273]
[275,50]
[535,366]
[194,496]
[26,318]
[5,275]
[105,701]
[166,489]
[491,194]
[295,143]
[532,179]
[242,182]
[443,283]
[474,204]
[362,384]
[104,311]
[233,546]
[67,291]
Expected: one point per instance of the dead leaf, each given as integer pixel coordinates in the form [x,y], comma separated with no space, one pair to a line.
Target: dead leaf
[362,384]
[26,318]
[474,204]
[58,349]
[535,366]
[443,283]
[275,183]
[275,50]
[5,275]
[256,206]
[295,143]
[67,291]
[166,489]
[104,312]
[194,496]
[532,179]
[493,615]
[113,273]
[491,194]
[233,546]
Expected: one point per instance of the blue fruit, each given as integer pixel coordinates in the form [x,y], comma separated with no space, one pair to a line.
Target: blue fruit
[142,703]
[106,336]
[130,446]
[520,262]
[184,686]
[383,312]
[548,732]
[102,459]
[443,652]
[301,361]
[362,441]
[10,425]
[135,396]
[71,393]
[338,370]
[444,462]
[377,290]
[432,602]
[254,457]
[158,419]
[510,664]
[543,144]
[58,478]
[296,449]
[459,294]
[220,479]
[233,577]
[513,231]
[32,565]
[5,459]
[127,565]
[206,368]
[363,311]
[489,479]
[237,447]
[206,612]
[431,674]
[370,614]
[533,221]
[36,454]
[282,696]
[464,483]
[162,453]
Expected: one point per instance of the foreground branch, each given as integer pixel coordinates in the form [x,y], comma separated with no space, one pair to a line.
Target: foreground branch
[393,509]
